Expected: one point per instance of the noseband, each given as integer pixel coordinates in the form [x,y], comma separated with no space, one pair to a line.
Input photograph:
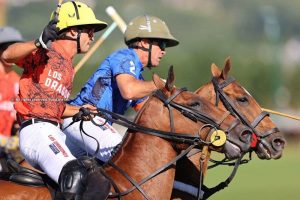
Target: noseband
[229,105]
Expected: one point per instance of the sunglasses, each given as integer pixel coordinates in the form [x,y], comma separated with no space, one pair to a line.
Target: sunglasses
[89,30]
[161,44]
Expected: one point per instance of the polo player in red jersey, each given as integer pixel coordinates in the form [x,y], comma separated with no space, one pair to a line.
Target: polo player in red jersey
[45,85]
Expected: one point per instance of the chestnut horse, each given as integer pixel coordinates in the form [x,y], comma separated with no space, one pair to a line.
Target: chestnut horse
[171,122]
[226,93]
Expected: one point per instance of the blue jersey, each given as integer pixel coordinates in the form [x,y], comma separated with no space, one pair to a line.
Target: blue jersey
[102,91]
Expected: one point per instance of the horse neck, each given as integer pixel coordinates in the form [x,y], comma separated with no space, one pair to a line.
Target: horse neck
[141,154]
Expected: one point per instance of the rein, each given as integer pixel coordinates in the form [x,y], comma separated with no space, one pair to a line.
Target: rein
[193,139]
[190,113]
[157,172]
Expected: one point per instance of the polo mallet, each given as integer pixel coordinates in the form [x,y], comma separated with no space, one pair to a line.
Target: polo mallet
[56,13]
[117,21]
[117,18]
[55,16]
[95,46]
[281,114]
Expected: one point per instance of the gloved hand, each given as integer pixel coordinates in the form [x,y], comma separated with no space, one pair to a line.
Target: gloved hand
[83,114]
[50,33]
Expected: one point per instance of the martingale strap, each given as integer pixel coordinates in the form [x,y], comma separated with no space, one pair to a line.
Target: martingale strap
[225,183]
[154,174]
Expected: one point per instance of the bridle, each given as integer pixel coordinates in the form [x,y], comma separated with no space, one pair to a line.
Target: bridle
[229,105]
[193,140]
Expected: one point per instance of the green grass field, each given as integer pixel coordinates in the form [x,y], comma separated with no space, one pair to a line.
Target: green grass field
[261,179]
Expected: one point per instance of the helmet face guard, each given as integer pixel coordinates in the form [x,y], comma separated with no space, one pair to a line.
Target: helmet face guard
[74,13]
[149,27]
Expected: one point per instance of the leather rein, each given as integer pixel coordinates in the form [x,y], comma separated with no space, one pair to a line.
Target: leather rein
[193,140]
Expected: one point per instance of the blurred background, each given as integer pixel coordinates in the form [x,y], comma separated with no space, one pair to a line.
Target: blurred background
[262,39]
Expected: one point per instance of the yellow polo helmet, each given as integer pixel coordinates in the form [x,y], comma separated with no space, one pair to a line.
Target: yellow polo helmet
[75,13]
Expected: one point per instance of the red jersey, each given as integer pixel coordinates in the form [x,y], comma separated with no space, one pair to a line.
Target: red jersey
[45,84]
[9,86]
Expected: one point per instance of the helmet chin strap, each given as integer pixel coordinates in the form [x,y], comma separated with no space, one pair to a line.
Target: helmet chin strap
[149,50]
[65,37]
[78,41]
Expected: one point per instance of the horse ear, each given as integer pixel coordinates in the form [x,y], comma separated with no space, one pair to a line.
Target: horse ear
[159,83]
[226,69]
[215,71]
[170,79]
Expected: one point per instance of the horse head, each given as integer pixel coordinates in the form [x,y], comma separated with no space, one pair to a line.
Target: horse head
[225,92]
[178,110]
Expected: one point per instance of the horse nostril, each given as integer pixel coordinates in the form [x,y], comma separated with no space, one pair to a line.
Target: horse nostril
[278,144]
[245,136]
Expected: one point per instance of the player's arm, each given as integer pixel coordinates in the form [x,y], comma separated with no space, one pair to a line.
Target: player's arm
[132,88]
[18,51]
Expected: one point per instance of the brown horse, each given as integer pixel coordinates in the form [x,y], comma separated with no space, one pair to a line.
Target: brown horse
[143,166]
[228,94]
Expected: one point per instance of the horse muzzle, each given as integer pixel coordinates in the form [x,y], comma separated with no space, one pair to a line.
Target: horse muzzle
[270,148]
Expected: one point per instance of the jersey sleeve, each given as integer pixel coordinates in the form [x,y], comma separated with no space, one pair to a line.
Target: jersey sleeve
[124,66]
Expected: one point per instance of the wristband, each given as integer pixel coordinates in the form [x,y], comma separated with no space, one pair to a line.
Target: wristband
[37,43]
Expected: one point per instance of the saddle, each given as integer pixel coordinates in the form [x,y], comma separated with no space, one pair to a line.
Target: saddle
[24,176]
[27,177]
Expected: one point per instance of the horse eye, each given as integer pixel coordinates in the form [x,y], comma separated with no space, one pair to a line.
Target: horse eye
[195,105]
[242,99]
